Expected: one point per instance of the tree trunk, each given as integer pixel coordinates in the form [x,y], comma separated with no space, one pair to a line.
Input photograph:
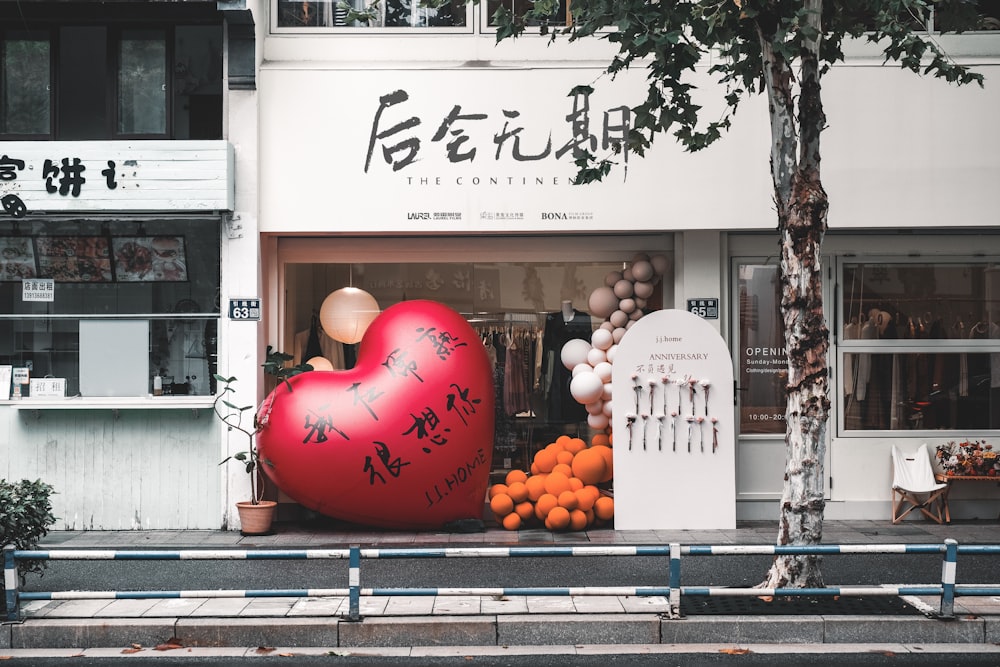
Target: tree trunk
[802,206]
[806,341]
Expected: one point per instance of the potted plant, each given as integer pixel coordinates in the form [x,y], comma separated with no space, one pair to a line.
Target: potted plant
[256,514]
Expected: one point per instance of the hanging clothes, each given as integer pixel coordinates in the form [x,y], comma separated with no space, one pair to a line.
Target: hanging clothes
[516,398]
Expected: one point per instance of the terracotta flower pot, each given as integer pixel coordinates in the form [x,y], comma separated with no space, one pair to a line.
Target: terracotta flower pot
[256,519]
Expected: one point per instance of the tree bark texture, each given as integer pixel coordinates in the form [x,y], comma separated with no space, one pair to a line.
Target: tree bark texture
[802,206]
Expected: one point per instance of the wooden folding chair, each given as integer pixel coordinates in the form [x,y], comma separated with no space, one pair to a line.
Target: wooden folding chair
[914,486]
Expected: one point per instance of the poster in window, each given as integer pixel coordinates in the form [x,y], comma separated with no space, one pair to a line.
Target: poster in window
[6,373]
[763,369]
[150,258]
[74,259]
[17,258]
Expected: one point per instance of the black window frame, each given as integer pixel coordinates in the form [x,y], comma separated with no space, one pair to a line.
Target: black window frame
[49,30]
[50,18]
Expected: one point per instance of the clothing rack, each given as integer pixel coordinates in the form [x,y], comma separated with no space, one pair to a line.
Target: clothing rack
[487,319]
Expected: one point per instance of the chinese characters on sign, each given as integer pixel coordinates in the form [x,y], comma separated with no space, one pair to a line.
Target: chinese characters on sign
[38,289]
[705,308]
[64,176]
[244,309]
[429,425]
[398,138]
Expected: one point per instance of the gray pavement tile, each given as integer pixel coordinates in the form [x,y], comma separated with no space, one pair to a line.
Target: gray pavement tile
[332,606]
[598,604]
[221,607]
[507,604]
[455,605]
[372,606]
[38,608]
[645,604]
[269,606]
[173,607]
[125,608]
[78,608]
[410,605]
[542,604]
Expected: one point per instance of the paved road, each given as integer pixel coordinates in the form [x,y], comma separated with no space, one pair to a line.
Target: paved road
[848,569]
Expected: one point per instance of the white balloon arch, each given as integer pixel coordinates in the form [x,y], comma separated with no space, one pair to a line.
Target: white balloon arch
[620,302]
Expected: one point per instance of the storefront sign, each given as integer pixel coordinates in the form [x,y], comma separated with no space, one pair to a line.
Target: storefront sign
[22,375]
[75,176]
[38,289]
[454,151]
[244,309]
[675,442]
[704,308]
[47,387]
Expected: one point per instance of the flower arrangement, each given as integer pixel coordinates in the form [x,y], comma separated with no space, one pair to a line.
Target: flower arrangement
[975,458]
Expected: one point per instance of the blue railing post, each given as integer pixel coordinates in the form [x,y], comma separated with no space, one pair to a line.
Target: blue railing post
[354,582]
[948,569]
[675,580]
[10,583]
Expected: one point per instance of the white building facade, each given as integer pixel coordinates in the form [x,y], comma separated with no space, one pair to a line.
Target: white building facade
[418,158]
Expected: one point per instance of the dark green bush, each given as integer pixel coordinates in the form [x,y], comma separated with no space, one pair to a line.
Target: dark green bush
[25,517]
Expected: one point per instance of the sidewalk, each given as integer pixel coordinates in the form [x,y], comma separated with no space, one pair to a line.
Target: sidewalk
[396,622]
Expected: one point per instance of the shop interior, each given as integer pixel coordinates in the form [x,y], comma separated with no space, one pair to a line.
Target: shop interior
[524,312]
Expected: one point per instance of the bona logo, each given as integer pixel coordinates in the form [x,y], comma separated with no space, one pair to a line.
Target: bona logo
[555,216]
[418,216]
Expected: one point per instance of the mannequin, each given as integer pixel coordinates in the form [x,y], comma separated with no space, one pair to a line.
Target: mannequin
[567,311]
[561,327]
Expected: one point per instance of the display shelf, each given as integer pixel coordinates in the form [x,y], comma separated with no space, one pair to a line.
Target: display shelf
[113,403]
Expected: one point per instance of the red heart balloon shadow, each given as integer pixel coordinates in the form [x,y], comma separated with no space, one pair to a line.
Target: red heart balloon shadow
[402,440]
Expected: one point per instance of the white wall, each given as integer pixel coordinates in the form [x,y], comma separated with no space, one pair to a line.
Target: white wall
[900,151]
[150,469]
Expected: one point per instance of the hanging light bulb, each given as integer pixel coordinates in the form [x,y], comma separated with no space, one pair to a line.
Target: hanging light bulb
[346,314]
[320,364]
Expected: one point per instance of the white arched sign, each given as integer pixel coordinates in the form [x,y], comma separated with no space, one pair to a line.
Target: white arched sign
[673,425]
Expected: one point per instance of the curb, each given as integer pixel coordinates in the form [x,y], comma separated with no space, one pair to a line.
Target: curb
[529,630]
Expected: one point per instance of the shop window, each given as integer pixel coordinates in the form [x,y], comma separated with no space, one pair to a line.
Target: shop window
[761,358]
[142,82]
[118,288]
[166,82]
[363,14]
[920,346]
[984,13]
[559,15]
[517,308]
[25,63]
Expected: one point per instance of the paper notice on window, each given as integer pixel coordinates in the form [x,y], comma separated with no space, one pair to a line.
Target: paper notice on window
[38,289]
[5,376]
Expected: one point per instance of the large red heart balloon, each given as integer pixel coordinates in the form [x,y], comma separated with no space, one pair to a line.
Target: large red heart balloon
[402,440]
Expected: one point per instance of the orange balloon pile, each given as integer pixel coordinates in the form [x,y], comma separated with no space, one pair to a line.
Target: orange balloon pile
[561,490]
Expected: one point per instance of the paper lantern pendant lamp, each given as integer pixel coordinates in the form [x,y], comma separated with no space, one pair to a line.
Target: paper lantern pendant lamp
[346,314]
[320,364]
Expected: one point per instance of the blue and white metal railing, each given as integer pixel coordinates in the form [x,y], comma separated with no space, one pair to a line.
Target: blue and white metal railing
[946,590]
